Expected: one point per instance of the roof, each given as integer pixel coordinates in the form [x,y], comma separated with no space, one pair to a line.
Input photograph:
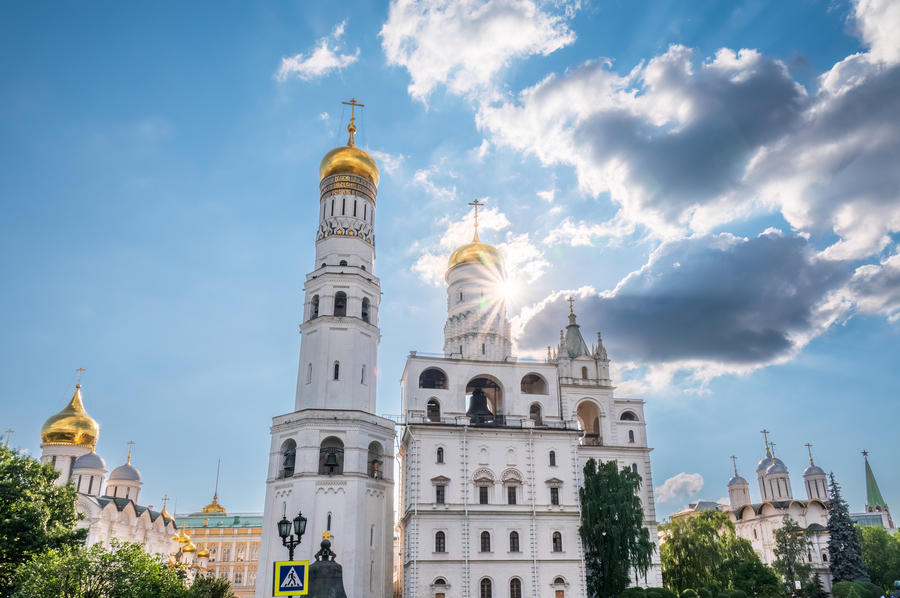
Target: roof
[121,503]
[241,521]
[575,345]
[90,461]
[873,494]
[126,473]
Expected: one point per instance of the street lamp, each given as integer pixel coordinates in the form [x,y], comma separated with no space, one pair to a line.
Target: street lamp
[287,538]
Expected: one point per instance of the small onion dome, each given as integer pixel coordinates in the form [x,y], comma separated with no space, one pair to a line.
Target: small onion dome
[125,473]
[777,467]
[72,425]
[166,514]
[189,547]
[765,464]
[183,538]
[203,553]
[736,480]
[176,537]
[349,159]
[477,252]
[89,461]
[813,470]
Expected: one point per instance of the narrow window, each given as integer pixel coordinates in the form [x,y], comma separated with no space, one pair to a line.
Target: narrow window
[315,306]
[482,495]
[552,458]
[460,353]
[337,371]
[439,494]
[460,296]
[554,496]
[323,210]
[514,541]
[485,542]
[755,537]
[810,557]
[309,373]
[365,210]
[440,454]
[371,535]
[511,495]
[127,492]
[354,208]
[824,557]
[365,309]
[340,303]
[343,206]
[630,435]
[584,373]
[557,542]
[328,523]
[486,588]
[440,542]
[332,207]
[634,467]
[482,348]
[53,460]
[90,484]
[363,378]
[515,588]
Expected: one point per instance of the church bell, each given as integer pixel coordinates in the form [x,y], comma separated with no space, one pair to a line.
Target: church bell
[478,407]
[331,462]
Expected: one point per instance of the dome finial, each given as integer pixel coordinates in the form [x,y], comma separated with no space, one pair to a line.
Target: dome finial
[809,448]
[130,444]
[351,128]
[734,463]
[476,204]
[571,305]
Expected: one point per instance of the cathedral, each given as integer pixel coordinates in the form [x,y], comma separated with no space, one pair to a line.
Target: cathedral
[68,441]
[491,447]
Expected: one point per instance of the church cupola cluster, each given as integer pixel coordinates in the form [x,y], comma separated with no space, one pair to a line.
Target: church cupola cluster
[775,482]
[68,435]
[578,362]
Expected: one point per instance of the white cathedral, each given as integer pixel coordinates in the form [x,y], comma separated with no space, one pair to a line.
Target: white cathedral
[491,448]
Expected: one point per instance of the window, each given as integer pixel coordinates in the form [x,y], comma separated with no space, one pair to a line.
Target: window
[514,541]
[365,211]
[515,588]
[485,542]
[440,454]
[482,348]
[212,554]
[314,310]
[432,378]
[628,416]
[559,581]
[238,578]
[226,554]
[482,495]
[328,523]
[337,370]
[309,373]
[362,379]
[552,458]
[433,410]
[332,207]
[460,296]
[824,557]
[554,495]
[371,535]
[534,412]
[340,303]
[240,553]
[331,456]
[254,553]
[90,485]
[511,495]
[630,435]
[343,206]
[755,536]
[584,373]
[486,588]
[440,542]
[53,460]
[634,467]
[439,494]
[365,309]
[354,207]
[557,542]
[810,557]
[532,384]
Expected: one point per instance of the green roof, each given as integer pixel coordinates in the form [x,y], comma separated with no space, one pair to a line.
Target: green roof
[873,494]
[220,521]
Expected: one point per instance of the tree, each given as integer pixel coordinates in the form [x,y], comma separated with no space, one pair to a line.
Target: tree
[702,551]
[210,587]
[757,579]
[791,549]
[845,562]
[612,528]
[36,514]
[880,554]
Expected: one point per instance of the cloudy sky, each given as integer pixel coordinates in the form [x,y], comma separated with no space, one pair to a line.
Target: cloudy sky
[717,183]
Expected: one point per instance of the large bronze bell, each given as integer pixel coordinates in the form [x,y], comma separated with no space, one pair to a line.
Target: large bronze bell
[331,462]
[478,407]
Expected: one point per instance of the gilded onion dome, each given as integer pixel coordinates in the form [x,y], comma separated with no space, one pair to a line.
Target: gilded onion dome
[189,547]
[349,159]
[477,252]
[203,553]
[72,425]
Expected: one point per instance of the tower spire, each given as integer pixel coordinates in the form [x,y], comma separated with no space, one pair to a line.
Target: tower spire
[874,500]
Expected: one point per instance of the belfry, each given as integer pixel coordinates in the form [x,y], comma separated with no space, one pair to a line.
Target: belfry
[331,458]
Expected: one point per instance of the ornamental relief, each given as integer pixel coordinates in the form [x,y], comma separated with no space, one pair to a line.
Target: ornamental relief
[347,226]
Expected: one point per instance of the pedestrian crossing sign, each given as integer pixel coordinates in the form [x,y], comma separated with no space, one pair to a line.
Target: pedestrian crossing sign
[291,578]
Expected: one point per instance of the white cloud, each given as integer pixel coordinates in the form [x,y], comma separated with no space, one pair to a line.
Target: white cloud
[424,178]
[481,151]
[548,195]
[325,117]
[878,22]
[324,58]
[464,44]
[682,485]
[388,163]
[582,233]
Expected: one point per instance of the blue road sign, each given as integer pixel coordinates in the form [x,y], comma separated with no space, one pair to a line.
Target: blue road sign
[291,578]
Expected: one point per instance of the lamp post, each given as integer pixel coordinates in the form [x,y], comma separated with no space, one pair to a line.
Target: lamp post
[287,538]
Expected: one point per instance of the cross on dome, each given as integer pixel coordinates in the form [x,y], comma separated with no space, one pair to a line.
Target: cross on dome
[79,370]
[734,463]
[571,303]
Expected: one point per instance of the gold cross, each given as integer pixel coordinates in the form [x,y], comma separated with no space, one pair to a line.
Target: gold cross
[165,499]
[79,370]
[571,303]
[734,462]
[765,434]
[353,104]
[130,444]
[8,434]
[809,448]
[476,204]
[326,535]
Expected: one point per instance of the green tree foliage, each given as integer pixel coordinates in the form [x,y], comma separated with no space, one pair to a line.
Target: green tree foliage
[851,589]
[845,562]
[881,555]
[757,580]
[689,594]
[612,528]
[792,547]
[702,551]
[35,513]
[123,571]
[704,593]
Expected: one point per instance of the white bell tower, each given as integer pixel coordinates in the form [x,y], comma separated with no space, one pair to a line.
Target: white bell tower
[332,458]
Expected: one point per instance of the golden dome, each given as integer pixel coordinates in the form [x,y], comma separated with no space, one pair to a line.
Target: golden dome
[72,425]
[203,553]
[189,547]
[183,538]
[349,159]
[165,514]
[214,506]
[477,252]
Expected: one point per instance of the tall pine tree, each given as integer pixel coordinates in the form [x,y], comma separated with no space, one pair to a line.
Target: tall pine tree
[846,562]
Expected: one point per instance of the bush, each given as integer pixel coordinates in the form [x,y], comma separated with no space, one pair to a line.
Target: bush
[689,594]
[653,593]
[876,591]
[852,589]
[704,593]
[633,593]
[736,593]
[664,593]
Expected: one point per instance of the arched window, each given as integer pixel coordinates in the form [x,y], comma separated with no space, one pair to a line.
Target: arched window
[288,457]
[440,454]
[486,588]
[532,384]
[485,542]
[362,379]
[482,348]
[337,370]
[634,467]
[630,435]
[372,535]
[440,581]
[628,416]
[343,263]
[331,456]
[440,542]
[514,541]
[363,267]
[559,581]
[584,373]
[810,557]
[534,412]
[365,309]
[824,557]
[328,523]
[557,542]
[314,311]
[238,578]
[515,588]
[375,461]
[552,458]
[324,264]
[226,554]
[755,537]
[460,296]
[433,410]
[432,378]
[340,304]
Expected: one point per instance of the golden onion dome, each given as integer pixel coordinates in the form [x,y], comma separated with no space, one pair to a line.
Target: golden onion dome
[166,514]
[203,553]
[349,159]
[189,547]
[183,538]
[477,252]
[72,425]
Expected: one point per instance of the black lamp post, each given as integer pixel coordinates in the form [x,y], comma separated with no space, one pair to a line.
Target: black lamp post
[287,538]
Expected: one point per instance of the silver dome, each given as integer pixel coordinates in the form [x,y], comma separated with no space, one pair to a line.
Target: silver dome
[89,461]
[736,480]
[126,473]
[777,467]
[813,470]
[764,464]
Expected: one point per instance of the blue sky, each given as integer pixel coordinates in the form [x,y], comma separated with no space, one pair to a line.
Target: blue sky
[716,182]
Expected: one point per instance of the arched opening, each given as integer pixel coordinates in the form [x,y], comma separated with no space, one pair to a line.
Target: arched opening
[324,264]
[340,304]
[631,436]
[485,542]
[365,309]
[433,410]
[584,375]
[343,263]
[515,588]
[314,309]
[534,412]
[440,542]
[559,581]
[628,416]
[440,581]
[588,415]
[557,542]
[433,378]
[484,398]
[440,455]
[532,384]
[331,456]
[328,523]
[288,458]
[337,370]
[552,458]
[374,460]
[485,589]
[362,379]
[634,467]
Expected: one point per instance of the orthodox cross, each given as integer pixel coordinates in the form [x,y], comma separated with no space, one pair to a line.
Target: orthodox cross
[866,454]
[326,535]
[809,448]
[476,204]
[765,434]
[165,499]
[772,444]
[79,370]
[8,434]
[353,104]
[734,463]
[130,444]
[571,303]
